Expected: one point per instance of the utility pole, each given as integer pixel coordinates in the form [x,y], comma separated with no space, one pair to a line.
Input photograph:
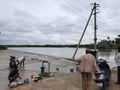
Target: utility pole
[83,33]
[95,25]
[93,12]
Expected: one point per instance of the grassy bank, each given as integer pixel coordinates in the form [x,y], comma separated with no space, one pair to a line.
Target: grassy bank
[3,47]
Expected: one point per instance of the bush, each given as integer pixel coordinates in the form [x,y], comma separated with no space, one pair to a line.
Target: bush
[3,48]
[45,74]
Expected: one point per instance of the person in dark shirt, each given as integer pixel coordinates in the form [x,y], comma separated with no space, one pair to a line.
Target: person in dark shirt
[118,66]
[13,75]
[12,64]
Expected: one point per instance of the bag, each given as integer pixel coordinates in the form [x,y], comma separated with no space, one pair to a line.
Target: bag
[26,81]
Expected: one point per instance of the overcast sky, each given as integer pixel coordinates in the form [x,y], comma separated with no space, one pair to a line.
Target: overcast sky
[56,21]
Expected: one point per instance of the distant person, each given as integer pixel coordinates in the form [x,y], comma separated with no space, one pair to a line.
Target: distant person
[13,75]
[20,61]
[12,62]
[86,66]
[118,66]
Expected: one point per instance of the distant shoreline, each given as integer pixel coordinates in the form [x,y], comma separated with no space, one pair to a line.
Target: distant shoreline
[91,46]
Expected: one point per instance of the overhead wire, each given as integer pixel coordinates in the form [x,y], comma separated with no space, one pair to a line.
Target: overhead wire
[51,24]
[75,11]
[70,7]
[73,6]
[70,4]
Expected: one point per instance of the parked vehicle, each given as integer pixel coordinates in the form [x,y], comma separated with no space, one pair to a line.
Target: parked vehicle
[102,77]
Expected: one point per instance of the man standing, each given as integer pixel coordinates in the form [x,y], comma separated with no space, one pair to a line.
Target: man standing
[86,65]
[118,66]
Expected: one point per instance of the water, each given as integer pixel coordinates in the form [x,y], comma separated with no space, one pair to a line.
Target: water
[59,52]
[68,53]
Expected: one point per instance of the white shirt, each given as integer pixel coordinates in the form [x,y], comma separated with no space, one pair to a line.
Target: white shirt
[118,59]
[21,59]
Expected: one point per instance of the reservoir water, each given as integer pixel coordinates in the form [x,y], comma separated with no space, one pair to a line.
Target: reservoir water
[109,55]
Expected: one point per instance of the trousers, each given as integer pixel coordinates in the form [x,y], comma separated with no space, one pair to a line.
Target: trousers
[86,81]
[118,74]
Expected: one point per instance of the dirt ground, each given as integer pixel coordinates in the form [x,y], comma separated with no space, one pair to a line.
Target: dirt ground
[61,81]
[70,81]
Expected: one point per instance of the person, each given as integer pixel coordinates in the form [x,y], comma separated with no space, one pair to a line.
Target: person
[118,66]
[13,75]
[12,62]
[86,65]
[20,61]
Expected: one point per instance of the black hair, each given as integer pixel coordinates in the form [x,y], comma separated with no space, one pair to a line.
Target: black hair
[88,51]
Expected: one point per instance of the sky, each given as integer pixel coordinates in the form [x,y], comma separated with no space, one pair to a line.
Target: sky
[39,22]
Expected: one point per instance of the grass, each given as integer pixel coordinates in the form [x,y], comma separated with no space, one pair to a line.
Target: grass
[3,48]
[45,74]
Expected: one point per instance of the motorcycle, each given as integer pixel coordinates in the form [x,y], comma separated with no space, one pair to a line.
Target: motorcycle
[102,77]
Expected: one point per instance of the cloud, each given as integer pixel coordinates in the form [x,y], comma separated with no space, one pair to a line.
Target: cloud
[56,22]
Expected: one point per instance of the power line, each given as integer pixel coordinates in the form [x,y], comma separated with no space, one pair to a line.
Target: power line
[67,7]
[71,5]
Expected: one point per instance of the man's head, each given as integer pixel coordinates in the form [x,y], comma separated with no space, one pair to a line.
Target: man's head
[88,51]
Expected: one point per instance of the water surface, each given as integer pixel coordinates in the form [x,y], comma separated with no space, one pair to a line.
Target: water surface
[109,55]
